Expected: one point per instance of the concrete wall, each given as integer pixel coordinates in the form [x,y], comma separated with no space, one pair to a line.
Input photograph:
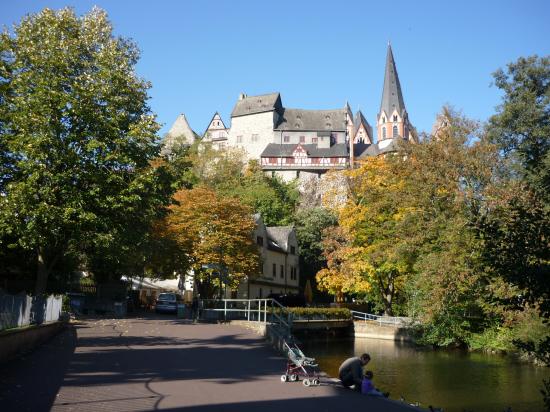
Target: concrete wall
[376,331]
[17,341]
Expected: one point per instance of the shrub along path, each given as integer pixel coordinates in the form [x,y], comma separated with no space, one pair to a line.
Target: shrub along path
[158,362]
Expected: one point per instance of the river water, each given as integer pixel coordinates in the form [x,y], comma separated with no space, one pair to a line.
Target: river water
[457,381]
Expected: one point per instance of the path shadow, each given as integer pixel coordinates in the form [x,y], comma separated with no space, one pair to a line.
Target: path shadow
[31,381]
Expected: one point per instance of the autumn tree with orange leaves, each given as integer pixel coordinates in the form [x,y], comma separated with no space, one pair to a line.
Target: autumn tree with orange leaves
[214,233]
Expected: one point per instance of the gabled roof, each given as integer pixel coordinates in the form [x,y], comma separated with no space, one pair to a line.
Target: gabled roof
[287,150]
[279,235]
[180,134]
[311,120]
[392,97]
[217,127]
[257,104]
[358,121]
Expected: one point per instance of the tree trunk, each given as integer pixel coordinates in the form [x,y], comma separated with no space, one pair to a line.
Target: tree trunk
[42,272]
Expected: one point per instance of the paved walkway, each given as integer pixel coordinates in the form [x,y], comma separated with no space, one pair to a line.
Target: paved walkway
[151,363]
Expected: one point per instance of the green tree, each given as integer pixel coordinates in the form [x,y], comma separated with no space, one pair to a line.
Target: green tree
[78,137]
[521,126]
[274,199]
[516,227]
[310,225]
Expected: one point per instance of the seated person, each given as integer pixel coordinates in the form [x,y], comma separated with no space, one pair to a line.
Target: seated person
[351,371]
[367,387]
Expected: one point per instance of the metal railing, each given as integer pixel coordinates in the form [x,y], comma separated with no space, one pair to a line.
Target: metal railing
[380,319]
[254,310]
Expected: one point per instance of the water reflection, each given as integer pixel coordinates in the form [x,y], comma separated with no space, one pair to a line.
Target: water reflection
[455,380]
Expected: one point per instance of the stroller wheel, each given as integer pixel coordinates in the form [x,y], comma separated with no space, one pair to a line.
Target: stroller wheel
[307,382]
[316,382]
[284,378]
[293,377]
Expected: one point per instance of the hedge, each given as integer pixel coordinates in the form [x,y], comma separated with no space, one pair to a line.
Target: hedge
[320,313]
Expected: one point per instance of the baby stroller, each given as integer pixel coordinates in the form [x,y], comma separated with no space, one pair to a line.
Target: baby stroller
[299,365]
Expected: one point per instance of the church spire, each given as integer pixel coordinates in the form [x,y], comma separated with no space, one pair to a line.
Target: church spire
[392,97]
[392,120]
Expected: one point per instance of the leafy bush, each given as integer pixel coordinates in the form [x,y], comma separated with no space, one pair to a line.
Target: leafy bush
[495,338]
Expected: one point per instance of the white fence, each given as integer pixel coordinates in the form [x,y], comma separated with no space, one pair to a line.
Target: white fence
[395,321]
[258,310]
[22,310]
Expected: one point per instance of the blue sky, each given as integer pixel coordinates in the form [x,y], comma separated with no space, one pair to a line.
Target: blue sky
[199,55]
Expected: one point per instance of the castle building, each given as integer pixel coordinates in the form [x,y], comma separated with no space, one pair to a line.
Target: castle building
[298,143]
[216,132]
[180,134]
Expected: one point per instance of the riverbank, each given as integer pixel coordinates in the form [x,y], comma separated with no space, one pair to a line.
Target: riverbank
[456,380]
[158,362]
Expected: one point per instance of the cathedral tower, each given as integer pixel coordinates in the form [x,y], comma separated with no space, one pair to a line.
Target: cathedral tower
[393,120]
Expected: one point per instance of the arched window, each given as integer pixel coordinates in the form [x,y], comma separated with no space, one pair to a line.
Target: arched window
[395,132]
[383,133]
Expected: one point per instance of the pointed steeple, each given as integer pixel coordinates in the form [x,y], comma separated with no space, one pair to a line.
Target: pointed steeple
[393,119]
[392,97]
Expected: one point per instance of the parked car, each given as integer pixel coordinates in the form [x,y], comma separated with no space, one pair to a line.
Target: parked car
[168,302]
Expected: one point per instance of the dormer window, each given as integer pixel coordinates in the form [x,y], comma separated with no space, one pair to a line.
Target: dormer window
[383,120]
[394,117]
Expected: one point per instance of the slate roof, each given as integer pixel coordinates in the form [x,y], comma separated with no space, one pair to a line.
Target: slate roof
[286,150]
[301,119]
[362,151]
[257,104]
[279,235]
[392,97]
[360,119]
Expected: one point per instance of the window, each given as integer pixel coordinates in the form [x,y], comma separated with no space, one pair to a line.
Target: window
[286,139]
[313,140]
[289,160]
[273,160]
[395,132]
[239,139]
[254,138]
[292,250]
[282,271]
[394,117]
[274,270]
[383,120]
[315,160]
[260,240]
[302,139]
[383,133]
[333,160]
[218,123]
